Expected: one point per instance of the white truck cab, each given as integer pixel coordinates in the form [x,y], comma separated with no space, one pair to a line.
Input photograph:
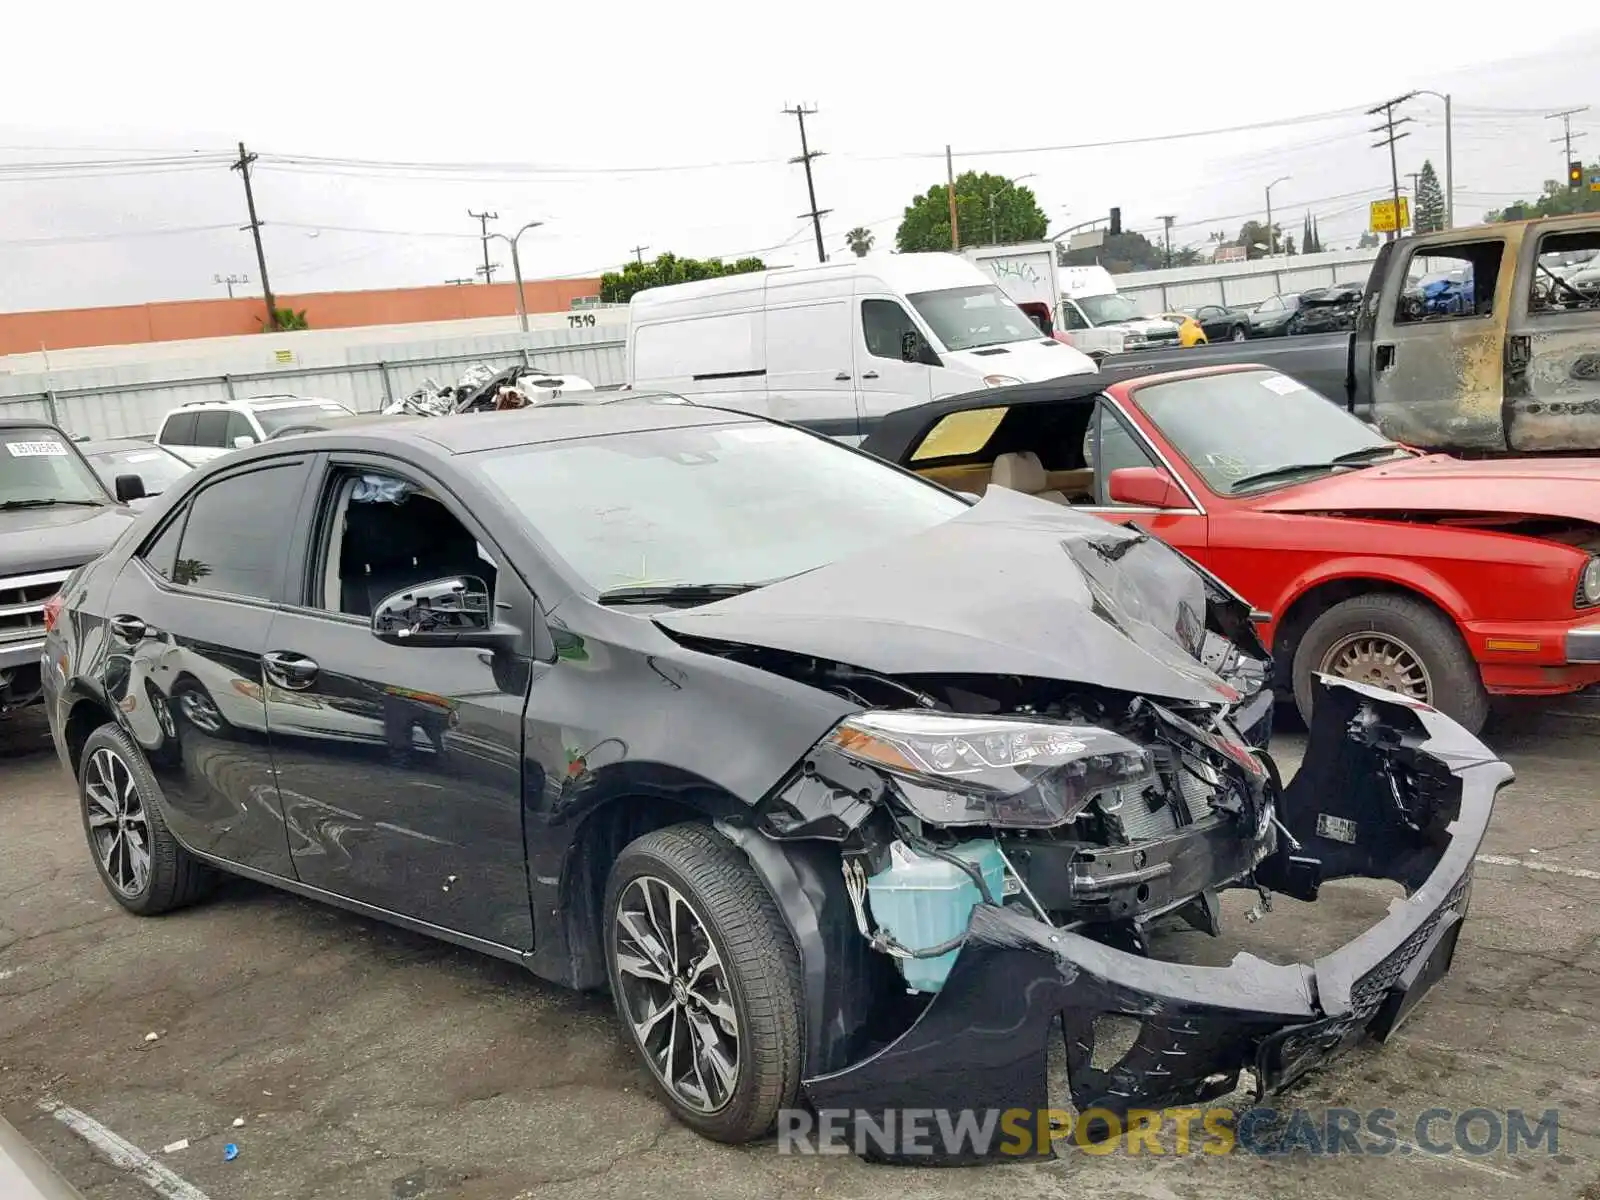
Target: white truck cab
[836,346]
[1098,321]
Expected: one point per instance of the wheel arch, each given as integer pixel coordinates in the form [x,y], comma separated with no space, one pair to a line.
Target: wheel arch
[1309,597]
[86,713]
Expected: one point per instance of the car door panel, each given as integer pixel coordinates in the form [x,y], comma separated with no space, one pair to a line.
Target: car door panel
[400,767]
[809,376]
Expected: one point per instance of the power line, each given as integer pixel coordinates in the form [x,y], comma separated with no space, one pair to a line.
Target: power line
[800,112]
[75,239]
[406,233]
[243,167]
[483,219]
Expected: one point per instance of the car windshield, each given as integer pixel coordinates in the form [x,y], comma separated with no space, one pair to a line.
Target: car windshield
[274,419]
[39,467]
[157,468]
[967,318]
[1107,310]
[725,504]
[1241,424]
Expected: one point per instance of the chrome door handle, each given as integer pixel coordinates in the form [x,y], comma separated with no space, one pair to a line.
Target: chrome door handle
[129,628]
[289,670]
[870,375]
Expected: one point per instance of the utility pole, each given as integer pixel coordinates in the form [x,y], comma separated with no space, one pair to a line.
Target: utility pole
[243,167]
[1567,136]
[1272,238]
[638,251]
[1167,222]
[483,220]
[230,280]
[950,191]
[1389,139]
[800,112]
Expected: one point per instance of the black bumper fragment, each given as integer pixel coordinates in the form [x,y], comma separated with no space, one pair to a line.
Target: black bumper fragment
[1387,790]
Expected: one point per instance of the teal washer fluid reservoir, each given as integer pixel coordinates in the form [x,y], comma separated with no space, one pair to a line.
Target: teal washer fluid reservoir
[921,901]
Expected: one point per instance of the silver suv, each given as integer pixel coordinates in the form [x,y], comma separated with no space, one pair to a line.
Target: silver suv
[206,429]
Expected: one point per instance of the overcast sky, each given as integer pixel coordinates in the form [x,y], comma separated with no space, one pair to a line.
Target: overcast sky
[581,116]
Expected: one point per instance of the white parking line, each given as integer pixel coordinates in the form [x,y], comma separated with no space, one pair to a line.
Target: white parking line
[1505,860]
[123,1154]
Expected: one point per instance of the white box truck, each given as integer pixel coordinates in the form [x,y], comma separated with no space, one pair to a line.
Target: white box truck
[836,346]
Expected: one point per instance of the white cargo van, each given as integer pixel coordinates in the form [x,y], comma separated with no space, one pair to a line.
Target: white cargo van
[1098,321]
[836,346]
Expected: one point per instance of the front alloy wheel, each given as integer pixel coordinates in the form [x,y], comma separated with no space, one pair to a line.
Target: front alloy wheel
[706,980]
[1382,660]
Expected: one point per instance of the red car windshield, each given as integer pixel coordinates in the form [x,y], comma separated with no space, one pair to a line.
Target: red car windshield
[1247,429]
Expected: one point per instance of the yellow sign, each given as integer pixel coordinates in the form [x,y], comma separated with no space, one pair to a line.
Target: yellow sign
[1383,215]
[284,355]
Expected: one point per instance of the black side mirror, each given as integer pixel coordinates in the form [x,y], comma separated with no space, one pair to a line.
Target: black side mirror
[129,488]
[908,346]
[443,612]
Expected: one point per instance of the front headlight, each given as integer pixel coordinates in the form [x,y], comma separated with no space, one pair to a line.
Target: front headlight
[1589,584]
[999,380]
[1008,771]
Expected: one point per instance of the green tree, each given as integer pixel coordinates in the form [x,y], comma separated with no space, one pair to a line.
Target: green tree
[1120,254]
[288,319]
[618,287]
[1557,200]
[1015,215]
[859,240]
[1253,237]
[1430,201]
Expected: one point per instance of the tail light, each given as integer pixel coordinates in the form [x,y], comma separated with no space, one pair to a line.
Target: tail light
[52,610]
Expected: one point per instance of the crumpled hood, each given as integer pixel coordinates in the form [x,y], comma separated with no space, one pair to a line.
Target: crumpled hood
[1531,487]
[54,539]
[1013,586]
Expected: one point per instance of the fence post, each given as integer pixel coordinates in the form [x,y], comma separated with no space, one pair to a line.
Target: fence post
[1222,289]
[227,382]
[50,403]
[388,392]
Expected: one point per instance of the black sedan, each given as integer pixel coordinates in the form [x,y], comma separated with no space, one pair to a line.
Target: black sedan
[1222,324]
[840,781]
[1272,317]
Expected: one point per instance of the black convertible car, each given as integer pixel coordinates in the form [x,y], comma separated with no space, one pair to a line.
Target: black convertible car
[842,783]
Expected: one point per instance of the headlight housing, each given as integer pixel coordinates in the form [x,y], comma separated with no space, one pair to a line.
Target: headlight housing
[999,380]
[1015,772]
[1589,584]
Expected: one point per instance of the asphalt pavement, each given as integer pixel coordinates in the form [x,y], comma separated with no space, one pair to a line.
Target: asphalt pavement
[368,1062]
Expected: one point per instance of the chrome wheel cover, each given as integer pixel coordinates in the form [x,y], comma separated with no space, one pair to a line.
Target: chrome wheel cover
[119,831]
[674,994]
[1381,660]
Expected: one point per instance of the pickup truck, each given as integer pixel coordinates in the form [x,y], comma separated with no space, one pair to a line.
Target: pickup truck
[55,515]
[1468,341]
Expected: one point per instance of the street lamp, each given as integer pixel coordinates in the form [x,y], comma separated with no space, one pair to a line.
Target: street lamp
[994,225]
[1272,242]
[516,268]
[1449,160]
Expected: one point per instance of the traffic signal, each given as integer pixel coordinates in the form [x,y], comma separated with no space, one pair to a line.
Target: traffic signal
[1116,222]
[1575,174]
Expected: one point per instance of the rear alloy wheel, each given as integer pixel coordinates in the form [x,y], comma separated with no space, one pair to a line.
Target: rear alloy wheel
[1396,643]
[706,980]
[1238,334]
[140,862]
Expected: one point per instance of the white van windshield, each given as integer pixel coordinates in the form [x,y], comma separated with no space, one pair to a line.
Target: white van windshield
[1109,310]
[966,318]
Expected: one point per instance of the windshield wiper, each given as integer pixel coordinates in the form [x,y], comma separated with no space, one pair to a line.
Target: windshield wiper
[8,505]
[671,593]
[1350,460]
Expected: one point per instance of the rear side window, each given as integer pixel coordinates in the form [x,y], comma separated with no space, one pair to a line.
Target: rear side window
[238,427]
[161,555]
[179,429]
[211,428]
[1450,283]
[959,434]
[235,540]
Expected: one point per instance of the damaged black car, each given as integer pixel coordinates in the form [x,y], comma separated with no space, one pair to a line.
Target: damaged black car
[852,790]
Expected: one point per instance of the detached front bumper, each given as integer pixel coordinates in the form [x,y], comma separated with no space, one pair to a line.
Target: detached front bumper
[1387,790]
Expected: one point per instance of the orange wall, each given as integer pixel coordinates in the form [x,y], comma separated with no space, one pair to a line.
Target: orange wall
[27,332]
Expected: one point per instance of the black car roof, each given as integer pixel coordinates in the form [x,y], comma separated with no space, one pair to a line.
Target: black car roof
[108,445]
[30,423]
[468,433]
[904,428]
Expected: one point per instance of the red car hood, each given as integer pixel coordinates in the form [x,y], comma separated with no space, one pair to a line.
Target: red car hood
[1532,487]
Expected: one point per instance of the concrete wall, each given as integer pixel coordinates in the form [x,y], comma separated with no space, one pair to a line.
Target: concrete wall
[1243,282]
[28,332]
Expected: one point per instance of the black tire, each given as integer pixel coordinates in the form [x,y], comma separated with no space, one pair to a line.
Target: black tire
[1239,334]
[759,963]
[1456,685]
[174,878]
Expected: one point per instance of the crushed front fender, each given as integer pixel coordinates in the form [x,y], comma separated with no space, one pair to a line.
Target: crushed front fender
[1387,790]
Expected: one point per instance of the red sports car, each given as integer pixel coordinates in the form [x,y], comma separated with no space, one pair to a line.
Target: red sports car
[1445,580]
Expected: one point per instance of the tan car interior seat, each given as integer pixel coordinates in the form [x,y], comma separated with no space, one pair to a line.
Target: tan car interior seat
[1024,473]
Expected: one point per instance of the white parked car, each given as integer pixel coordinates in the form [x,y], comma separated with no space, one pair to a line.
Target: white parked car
[207,429]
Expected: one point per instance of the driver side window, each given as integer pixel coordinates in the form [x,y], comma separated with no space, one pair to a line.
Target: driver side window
[1108,446]
[884,325]
[1071,318]
[384,534]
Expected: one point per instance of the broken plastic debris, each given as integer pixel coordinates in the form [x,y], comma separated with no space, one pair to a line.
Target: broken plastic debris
[1254,914]
[238,1122]
[174,1147]
[266,1093]
[150,1037]
[230,1152]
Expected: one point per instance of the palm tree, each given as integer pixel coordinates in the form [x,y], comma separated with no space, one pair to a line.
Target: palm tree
[859,240]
